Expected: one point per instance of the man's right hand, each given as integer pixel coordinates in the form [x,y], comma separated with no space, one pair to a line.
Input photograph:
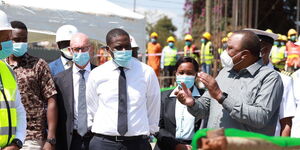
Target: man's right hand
[184,96]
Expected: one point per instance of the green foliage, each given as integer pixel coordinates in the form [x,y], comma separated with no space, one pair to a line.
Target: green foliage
[164,28]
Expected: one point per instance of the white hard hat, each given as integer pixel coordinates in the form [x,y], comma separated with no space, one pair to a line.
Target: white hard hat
[133,42]
[65,32]
[4,24]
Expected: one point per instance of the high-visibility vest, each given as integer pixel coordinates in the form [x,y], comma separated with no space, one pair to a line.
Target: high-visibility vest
[206,55]
[278,54]
[170,56]
[8,115]
[190,51]
[293,54]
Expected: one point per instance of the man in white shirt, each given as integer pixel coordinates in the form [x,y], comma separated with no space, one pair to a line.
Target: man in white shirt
[73,132]
[123,99]
[296,120]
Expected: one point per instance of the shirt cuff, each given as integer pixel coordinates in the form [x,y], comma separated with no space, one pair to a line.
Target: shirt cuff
[229,103]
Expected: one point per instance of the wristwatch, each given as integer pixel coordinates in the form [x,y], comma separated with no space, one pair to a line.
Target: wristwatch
[17,142]
[52,141]
[224,96]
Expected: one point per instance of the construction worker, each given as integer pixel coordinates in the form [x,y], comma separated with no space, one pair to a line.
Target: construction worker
[278,53]
[189,48]
[12,112]
[168,60]
[206,53]
[292,35]
[221,50]
[154,51]
[293,54]
[63,36]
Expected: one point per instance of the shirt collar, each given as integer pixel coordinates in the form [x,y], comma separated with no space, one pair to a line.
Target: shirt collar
[87,68]
[195,92]
[130,64]
[64,60]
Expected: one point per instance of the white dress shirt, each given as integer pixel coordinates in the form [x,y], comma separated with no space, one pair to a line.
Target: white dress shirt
[185,122]
[65,62]
[143,99]
[21,119]
[76,77]
[296,120]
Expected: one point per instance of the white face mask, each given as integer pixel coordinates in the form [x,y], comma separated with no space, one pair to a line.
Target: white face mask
[227,61]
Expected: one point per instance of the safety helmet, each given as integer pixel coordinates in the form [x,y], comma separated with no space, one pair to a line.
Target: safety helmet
[279,38]
[4,23]
[206,35]
[269,30]
[229,34]
[188,37]
[225,39]
[154,34]
[171,39]
[65,33]
[291,32]
[284,38]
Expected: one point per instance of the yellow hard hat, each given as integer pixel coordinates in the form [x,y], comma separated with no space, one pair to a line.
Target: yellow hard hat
[171,39]
[229,34]
[269,30]
[154,34]
[279,38]
[284,38]
[188,37]
[225,39]
[291,32]
[206,35]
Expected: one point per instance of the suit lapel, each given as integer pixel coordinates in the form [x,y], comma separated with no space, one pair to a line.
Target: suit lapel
[68,85]
[171,109]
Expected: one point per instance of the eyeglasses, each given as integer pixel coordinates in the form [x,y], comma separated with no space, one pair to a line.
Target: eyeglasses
[81,48]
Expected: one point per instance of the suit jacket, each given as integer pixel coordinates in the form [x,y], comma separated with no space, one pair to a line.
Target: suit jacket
[56,66]
[65,105]
[166,136]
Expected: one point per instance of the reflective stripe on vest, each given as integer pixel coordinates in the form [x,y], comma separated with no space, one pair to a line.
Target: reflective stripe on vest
[206,54]
[189,51]
[10,88]
[5,130]
[170,57]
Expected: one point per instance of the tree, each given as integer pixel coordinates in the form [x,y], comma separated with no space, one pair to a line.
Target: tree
[164,28]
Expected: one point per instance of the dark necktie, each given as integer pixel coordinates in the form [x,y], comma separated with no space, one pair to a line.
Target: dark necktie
[82,111]
[122,111]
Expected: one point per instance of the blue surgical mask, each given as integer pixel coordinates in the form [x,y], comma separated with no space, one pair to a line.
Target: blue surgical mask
[81,58]
[203,40]
[122,58]
[171,44]
[276,43]
[188,43]
[7,49]
[293,37]
[153,40]
[187,80]
[20,49]
[282,43]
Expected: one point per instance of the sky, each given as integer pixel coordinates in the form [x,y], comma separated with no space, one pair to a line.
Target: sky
[155,9]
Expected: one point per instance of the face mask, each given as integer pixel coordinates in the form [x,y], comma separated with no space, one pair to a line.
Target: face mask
[227,61]
[7,49]
[282,43]
[153,40]
[276,43]
[67,53]
[81,58]
[19,49]
[293,38]
[122,58]
[203,40]
[188,43]
[187,80]
[171,44]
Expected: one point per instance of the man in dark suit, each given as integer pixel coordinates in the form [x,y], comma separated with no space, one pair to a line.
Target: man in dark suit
[63,36]
[73,132]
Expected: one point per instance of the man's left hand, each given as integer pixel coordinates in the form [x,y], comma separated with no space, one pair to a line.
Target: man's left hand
[48,146]
[11,147]
[211,84]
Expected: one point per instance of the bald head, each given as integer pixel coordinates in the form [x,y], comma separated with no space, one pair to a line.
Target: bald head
[79,40]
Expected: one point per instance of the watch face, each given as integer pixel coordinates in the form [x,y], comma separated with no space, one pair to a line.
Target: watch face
[51,141]
[18,143]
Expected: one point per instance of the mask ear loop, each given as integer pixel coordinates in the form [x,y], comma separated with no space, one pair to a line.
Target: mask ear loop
[240,60]
[108,50]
